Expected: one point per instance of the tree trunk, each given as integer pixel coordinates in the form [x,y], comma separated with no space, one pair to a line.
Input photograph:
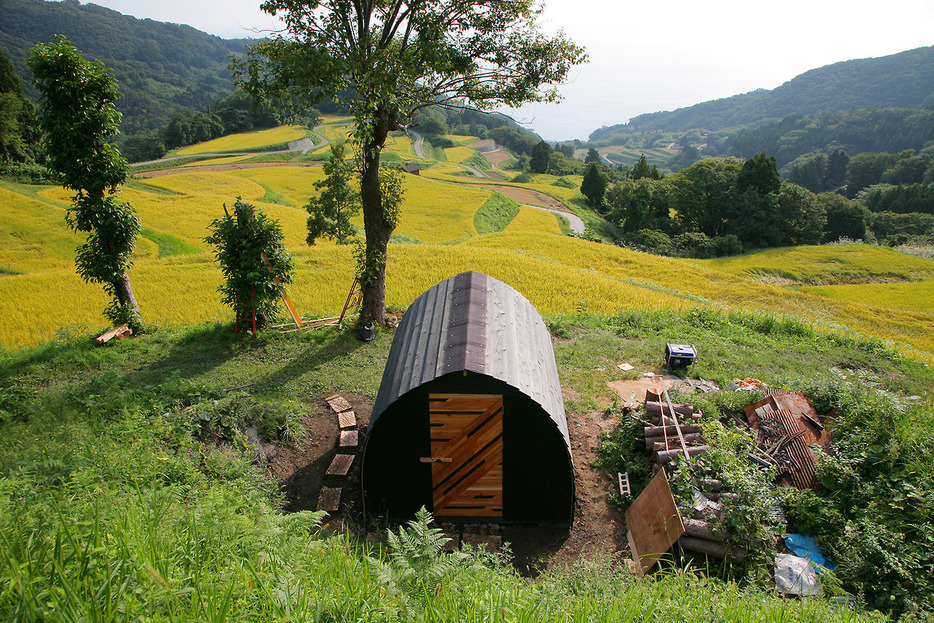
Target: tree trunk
[375,225]
[126,298]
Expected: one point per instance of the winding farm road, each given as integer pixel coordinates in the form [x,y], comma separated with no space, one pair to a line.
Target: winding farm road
[576,222]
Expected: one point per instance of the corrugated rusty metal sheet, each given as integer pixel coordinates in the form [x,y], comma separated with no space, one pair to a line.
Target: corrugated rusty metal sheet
[474,323]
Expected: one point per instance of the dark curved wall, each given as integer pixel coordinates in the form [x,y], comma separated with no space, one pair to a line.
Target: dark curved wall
[538,476]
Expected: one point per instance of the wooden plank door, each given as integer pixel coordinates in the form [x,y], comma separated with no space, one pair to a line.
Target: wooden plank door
[466,455]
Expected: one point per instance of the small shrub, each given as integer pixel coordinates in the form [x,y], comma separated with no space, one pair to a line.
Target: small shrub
[239,240]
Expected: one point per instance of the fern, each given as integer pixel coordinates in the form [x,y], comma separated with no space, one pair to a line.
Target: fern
[416,564]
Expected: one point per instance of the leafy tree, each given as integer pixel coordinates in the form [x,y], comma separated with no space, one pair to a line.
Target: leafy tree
[801,216]
[565,148]
[594,184]
[592,156]
[845,218]
[541,157]
[18,132]
[386,60]
[338,202]
[707,195]
[835,174]
[78,115]
[642,170]
[760,174]
[239,240]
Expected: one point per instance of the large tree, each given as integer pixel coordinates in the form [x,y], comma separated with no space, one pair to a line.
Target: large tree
[386,59]
[78,116]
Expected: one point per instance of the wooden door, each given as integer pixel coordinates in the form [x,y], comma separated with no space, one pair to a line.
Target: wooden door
[466,455]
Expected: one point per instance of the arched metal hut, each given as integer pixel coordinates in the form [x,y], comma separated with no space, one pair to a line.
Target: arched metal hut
[469,420]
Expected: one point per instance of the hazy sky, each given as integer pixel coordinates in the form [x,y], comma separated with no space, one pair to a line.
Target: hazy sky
[650,56]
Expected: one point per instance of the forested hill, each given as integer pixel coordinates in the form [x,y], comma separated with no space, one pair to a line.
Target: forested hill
[159,66]
[903,80]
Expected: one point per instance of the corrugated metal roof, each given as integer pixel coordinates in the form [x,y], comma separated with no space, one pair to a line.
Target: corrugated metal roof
[476,323]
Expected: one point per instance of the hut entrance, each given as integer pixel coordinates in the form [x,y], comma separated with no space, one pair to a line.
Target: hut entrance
[466,454]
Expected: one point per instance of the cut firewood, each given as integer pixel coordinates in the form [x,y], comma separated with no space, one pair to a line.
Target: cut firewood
[117,332]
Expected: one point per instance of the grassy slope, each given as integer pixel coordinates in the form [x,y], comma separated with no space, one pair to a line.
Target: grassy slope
[96,449]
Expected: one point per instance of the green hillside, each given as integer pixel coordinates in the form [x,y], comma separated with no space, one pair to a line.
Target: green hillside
[159,67]
[903,80]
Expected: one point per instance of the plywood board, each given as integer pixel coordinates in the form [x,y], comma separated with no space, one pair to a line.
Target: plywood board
[654,522]
[466,454]
[347,419]
[340,465]
[338,403]
[329,499]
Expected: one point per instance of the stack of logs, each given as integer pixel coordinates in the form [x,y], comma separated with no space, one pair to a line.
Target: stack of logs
[663,439]
[664,444]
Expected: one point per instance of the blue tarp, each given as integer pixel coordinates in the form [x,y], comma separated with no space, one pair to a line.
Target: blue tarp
[805,546]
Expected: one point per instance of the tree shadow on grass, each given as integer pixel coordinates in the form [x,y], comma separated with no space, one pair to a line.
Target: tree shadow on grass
[323,348]
[200,350]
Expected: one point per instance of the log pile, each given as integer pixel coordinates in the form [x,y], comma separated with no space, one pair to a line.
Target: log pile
[785,426]
[674,434]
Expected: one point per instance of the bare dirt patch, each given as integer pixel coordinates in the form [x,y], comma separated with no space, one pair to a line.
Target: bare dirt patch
[496,157]
[528,196]
[597,531]
[215,168]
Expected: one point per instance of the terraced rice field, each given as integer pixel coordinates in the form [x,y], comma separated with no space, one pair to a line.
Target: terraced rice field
[247,141]
[886,294]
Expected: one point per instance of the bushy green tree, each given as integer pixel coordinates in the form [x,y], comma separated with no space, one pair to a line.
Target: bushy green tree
[759,174]
[594,184]
[387,60]
[845,218]
[78,116]
[642,170]
[239,240]
[541,157]
[330,212]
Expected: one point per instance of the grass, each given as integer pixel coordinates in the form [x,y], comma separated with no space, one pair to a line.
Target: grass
[496,214]
[246,141]
[115,503]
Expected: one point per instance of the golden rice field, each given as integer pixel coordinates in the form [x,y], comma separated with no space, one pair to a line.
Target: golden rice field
[458,154]
[913,296]
[215,161]
[246,141]
[40,294]
[530,219]
[831,264]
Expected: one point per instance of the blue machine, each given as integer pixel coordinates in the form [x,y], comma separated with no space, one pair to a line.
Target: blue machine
[679,354]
